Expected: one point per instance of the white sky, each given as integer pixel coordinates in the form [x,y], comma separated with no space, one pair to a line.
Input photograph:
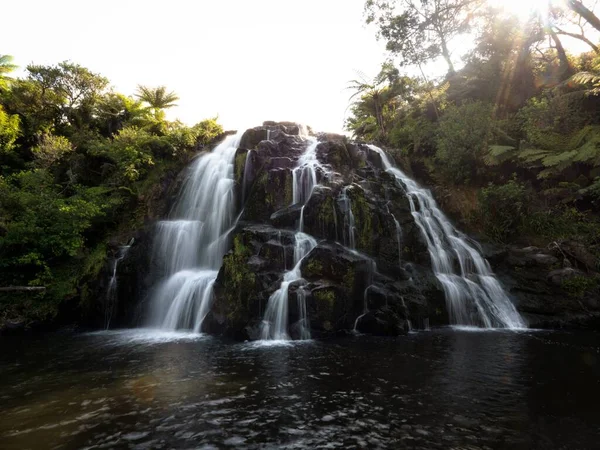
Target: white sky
[245,60]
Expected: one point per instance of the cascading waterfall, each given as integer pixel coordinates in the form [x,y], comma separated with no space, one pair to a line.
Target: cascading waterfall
[275,321]
[192,243]
[247,171]
[398,235]
[304,176]
[474,286]
[349,223]
[365,308]
[111,292]
[274,326]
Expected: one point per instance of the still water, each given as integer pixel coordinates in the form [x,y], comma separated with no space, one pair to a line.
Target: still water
[446,389]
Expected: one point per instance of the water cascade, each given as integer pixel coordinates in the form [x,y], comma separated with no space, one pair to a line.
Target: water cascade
[111,292]
[274,326]
[473,294]
[365,308]
[349,224]
[275,321]
[192,243]
[398,236]
[247,171]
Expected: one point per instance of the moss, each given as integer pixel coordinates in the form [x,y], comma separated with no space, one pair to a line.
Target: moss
[288,190]
[325,296]
[240,165]
[349,280]
[314,268]
[239,281]
[363,216]
[325,217]
[324,304]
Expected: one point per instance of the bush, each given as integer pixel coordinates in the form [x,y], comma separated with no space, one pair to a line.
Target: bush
[503,209]
[462,141]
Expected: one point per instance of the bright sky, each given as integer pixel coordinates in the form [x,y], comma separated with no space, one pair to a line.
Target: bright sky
[245,60]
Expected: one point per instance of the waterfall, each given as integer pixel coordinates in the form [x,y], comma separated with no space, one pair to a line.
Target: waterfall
[472,286]
[275,321]
[365,308]
[247,170]
[349,224]
[111,292]
[191,244]
[274,326]
[398,235]
[304,175]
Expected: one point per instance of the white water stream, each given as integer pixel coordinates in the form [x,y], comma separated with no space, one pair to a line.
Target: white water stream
[474,295]
[192,243]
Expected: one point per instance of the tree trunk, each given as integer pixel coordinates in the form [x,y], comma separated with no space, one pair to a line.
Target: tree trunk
[446,55]
[565,66]
[583,11]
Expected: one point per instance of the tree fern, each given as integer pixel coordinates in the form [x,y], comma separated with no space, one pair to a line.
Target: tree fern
[497,154]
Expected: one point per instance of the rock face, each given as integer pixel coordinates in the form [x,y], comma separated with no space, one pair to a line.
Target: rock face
[552,288]
[370,270]
[384,286]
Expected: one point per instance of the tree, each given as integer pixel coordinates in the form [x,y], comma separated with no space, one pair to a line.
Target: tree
[9,131]
[421,30]
[377,97]
[6,67]
[578,7]
[462,140]
[158,98]
[569,23]
[60,97]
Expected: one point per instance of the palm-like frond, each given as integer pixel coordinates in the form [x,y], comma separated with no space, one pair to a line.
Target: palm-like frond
[6,67]
[158,97]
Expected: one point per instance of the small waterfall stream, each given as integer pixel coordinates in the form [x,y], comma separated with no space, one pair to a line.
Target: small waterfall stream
[349,229]
[247,171]
[275,321]
[111,292]
[192,243]
[473,294]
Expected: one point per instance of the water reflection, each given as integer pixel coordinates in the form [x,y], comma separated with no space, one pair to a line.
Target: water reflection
[440,389]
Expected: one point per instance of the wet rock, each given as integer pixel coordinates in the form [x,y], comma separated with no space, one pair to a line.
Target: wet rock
[559,276]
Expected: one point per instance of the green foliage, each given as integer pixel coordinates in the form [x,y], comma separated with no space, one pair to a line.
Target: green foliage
[462,139]
[50,150]
[131,151]
[9,131]
[43,226]
[502,209]
[77,161]
[6,67]
[578,286]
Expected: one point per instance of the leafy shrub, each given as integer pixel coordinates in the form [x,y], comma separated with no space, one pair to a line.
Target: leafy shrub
[462,140]
[503,209]
[579,285]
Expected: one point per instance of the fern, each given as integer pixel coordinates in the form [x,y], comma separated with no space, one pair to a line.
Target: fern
[533,155]
[560,160]
[497,154]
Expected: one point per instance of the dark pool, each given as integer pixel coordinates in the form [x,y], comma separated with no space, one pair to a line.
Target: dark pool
[446,389]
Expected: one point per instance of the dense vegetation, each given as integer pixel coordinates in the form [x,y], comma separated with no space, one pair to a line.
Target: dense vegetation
[511,140]
[77,160]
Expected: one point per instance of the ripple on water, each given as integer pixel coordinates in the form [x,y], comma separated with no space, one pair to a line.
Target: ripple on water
[442,389]
[145,336]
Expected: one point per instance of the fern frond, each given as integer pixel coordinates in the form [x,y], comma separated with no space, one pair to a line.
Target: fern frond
[560,160]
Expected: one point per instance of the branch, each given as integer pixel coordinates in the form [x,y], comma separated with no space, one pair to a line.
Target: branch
[581,37]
